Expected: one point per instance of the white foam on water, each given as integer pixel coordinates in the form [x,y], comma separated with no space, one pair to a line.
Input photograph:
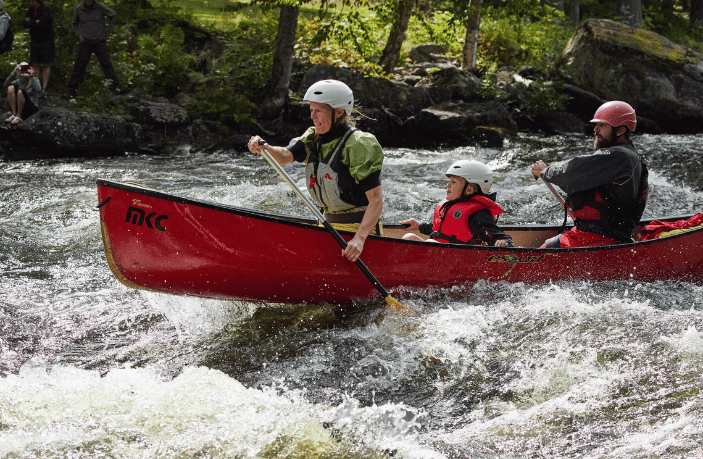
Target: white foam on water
[564,372]
[196,317]
[202,412]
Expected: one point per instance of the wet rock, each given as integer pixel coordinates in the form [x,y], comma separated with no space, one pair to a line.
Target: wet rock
[428,52]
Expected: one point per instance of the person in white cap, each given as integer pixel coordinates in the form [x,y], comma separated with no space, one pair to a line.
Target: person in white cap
[343,171]
[607,190]
[22,89]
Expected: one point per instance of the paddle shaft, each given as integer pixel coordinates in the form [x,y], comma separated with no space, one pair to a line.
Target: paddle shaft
[559,198]
[310,205]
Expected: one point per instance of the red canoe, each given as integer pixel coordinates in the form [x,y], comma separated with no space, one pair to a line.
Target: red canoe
[165,243]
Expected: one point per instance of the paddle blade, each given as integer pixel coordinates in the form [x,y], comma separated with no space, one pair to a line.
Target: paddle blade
[397,306]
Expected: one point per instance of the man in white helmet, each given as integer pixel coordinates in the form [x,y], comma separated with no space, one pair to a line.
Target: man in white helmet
[343,171]
[607,190]
[467,215]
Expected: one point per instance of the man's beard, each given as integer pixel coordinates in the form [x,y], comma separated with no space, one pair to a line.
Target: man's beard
[605,142]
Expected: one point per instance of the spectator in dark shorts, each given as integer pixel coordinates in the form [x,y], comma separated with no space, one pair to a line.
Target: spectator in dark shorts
[89,25]
[41,45]
[22,86]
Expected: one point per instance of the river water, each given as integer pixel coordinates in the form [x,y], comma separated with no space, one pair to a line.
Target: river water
[90,368]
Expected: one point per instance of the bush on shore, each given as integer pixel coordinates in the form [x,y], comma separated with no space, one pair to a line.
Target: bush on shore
[216,56]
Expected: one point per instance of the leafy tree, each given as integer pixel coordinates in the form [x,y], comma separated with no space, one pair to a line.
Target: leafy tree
[556,4]
[470,49]
[629,12]
[696,12]
[279,79]
[575,11]
[389,57]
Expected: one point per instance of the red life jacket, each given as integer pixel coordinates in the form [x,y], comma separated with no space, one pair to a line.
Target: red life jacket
[453,224]
[598,211]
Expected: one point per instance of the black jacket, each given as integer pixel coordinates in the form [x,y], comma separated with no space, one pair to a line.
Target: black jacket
[43,30]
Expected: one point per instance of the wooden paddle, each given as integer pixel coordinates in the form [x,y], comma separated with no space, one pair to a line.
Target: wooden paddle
[391,302]
[559,198]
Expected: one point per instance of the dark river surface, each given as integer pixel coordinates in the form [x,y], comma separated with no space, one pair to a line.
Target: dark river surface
[90,368]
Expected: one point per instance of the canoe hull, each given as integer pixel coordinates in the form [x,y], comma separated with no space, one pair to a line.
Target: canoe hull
[169,244]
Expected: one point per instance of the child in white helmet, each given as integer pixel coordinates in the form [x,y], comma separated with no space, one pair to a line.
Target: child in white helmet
[467,215]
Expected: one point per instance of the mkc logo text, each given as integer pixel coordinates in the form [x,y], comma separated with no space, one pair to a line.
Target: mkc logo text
[512,259]
[138,217]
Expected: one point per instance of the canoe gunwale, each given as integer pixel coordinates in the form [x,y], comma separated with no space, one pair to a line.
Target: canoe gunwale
[311,224]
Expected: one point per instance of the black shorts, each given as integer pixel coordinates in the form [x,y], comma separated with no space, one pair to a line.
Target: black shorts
[41,53]
[29,108]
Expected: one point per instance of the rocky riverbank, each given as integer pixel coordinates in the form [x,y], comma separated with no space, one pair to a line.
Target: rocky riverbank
[429,103]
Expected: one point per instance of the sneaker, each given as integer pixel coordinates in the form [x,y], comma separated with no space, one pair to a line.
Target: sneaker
[10,119]
[17,120]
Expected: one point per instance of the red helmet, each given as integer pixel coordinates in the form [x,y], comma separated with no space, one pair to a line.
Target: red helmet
[616,113]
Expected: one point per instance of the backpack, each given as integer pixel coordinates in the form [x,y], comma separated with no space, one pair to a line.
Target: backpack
[6,42]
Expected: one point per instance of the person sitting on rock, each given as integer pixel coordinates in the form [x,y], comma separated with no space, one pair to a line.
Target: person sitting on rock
[22,87]
[467,215]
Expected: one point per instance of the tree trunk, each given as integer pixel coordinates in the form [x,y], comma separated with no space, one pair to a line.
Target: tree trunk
[391,53]
[629,12]
[473,22]
[696,13]
[575,11]
[556,4]
[279,80]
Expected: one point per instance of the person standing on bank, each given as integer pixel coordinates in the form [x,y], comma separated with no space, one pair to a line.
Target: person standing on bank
[41,45]
[343,171]
[607,190]
[89,25]
[22,86]
[468,214]
[6,35]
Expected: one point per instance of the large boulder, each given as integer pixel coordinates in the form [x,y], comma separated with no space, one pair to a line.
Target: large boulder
[61,132]
[159,113]
[663,81]
[448,84]
[442,108]
[369,92]
[457,122]
[428,52]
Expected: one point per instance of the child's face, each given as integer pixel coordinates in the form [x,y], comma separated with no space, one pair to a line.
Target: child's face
[455,187]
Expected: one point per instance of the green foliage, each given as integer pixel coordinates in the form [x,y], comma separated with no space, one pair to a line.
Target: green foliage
[674,25]
[211,99]
[219,52]
[488,89]
[542,98]
[159,66]
[438,27]
[353,41]
[535,39]
[227,88]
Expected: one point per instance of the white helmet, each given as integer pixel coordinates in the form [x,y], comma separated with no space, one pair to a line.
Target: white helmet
[331,92]
[474,172]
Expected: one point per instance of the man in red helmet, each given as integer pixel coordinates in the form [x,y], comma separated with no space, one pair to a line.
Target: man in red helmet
[607,190]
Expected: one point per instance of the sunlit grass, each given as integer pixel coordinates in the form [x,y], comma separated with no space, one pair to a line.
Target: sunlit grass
[226,14]
[223,14]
